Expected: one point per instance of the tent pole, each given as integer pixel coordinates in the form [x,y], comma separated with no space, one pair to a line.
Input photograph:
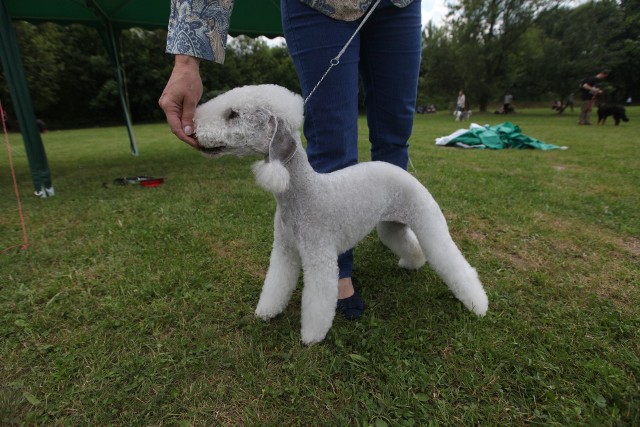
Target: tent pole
[110,38]
[14,73]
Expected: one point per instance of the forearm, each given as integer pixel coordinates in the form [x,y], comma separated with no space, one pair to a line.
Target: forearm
[591,89]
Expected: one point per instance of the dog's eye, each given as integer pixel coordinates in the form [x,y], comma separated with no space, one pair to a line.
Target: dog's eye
[232,114]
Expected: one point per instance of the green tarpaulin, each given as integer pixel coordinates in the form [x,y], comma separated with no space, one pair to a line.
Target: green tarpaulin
[498,137]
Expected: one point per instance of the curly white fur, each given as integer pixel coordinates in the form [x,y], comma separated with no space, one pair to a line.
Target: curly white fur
[272,176]
[319,216]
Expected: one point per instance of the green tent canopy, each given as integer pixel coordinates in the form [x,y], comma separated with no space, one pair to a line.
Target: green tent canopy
[250,17]
[109,17]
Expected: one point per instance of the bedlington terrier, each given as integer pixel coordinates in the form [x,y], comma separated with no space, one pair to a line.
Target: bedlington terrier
[319,216]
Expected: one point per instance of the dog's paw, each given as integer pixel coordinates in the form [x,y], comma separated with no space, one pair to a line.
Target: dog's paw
[265,314]
[479,304]
[312,337]
[412,263]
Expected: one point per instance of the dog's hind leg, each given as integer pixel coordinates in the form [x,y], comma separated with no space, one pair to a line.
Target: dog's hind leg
[282,276]
[445,258]
[320,292]
[402,242]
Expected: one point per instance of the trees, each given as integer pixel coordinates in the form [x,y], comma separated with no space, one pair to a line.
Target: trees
[627,43]
[441,75]
[72,80]
[538,50]
[488,38]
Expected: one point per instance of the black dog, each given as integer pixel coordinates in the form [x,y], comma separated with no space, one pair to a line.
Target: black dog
[618,113]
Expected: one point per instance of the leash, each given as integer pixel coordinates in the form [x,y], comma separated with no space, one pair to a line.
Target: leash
[335,61]
[25,239]
[593,101]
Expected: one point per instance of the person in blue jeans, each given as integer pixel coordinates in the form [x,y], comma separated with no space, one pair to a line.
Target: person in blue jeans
[384,54]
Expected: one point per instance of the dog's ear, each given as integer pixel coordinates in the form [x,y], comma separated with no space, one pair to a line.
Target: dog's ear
[271,174]
[283,145]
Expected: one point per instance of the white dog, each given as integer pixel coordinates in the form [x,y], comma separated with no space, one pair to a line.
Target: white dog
[319,216]
[462,115]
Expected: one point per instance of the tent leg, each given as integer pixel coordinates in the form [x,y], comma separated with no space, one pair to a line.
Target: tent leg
[14,73]
[111,41]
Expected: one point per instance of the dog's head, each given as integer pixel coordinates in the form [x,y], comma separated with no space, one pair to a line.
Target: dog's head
[247,120]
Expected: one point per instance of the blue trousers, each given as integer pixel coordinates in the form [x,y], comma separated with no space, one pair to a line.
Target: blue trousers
[385,55]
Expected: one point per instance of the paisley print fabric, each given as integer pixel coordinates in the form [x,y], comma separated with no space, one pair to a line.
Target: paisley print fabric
[347,10]
[199,27]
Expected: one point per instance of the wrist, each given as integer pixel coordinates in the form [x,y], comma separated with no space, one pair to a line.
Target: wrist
[186,60]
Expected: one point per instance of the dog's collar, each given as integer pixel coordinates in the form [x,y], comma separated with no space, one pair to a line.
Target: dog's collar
[288,159]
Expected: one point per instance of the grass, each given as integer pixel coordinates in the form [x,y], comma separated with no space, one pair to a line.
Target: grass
[134,306]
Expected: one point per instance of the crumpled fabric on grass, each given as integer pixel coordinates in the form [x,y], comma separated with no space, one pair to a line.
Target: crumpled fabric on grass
[498,137]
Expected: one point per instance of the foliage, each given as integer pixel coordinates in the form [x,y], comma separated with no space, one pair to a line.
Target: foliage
[43,68]
[488,35]
[538,50]
[134,306]
[73,81]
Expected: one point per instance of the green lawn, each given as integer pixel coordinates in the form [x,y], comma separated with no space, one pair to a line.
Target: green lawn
[134,306]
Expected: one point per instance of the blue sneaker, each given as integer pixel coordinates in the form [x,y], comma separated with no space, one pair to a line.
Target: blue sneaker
[351,308]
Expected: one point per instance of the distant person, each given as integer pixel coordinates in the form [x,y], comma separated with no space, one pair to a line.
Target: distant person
[507,107]
[42,126]
[589,90]
[568,103]
[461,101]
[628,101]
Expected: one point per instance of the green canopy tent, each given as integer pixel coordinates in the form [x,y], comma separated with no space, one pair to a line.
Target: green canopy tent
[109,17]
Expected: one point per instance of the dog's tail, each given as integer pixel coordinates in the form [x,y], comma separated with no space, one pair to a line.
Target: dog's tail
[447,260]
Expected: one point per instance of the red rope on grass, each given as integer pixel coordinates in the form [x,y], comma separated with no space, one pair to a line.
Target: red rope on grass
[25,243]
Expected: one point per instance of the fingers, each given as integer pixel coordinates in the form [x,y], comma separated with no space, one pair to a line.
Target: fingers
[173,114]
[175,121]
[180,98]
[188,113]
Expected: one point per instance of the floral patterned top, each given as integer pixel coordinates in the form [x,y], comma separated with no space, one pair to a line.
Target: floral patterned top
[199,27]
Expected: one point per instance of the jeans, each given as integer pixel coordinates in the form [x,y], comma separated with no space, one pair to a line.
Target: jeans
[385,54]
[585,112]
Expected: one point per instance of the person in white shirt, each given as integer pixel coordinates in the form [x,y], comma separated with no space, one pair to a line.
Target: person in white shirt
[461,102]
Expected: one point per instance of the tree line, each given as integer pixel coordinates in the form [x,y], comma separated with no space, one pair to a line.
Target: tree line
[73,82]
[537,50]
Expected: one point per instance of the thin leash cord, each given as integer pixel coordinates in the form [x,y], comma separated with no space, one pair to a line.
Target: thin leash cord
[335,61]
[25,243]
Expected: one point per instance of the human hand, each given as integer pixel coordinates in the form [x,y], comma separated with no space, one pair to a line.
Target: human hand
[181,96]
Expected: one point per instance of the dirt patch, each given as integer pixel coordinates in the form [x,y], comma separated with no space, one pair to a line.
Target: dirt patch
[238,252]
[632,244]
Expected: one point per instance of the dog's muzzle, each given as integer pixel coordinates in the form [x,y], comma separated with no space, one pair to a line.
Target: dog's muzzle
[213,151]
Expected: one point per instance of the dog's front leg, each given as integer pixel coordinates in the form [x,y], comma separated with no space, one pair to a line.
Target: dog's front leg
[282,276]
[320,292]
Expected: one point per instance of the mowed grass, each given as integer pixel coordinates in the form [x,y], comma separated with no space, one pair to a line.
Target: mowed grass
[134,306]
